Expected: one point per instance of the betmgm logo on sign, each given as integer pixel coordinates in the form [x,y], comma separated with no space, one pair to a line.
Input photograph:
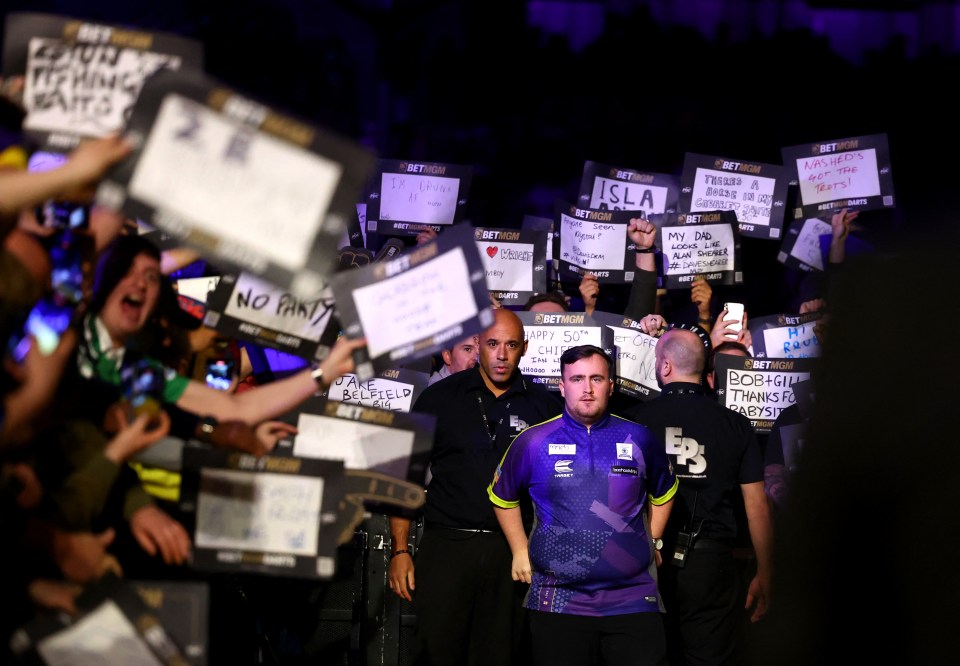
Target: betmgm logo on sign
[563,469]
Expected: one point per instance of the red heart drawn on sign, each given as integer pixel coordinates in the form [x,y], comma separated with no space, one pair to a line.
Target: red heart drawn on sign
[492,251]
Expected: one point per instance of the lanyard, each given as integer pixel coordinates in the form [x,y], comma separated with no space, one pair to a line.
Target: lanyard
[486,421]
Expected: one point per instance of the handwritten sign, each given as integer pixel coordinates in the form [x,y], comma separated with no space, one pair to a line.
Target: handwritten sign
[391,443]
[785,336]
[395,390]
[102,635]
[265,512]
[853,172]
[514,262]
[635,356]
[411,195]
[242,184]
[755,192]
[412,306]
[605,187]
[759,388]
[253,309]
[803,246]
[548,335]
[115,623]
[81,79]
[701,244]
[273,514]
[595,241]
[197,288]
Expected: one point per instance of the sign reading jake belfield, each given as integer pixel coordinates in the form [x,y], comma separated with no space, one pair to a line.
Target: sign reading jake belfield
[595,241]
[605,187]
[759,388]
[81,78]
[395,389]
[515,262]
[549,334]
[246,307]
[408,196]
[253,190]
[853,173]
[701,244]
[755,192]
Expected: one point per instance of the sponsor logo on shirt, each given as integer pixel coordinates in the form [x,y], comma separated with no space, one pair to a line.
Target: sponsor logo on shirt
[517,423]
[563,469]
[562,449]
[620,469]
[624,451]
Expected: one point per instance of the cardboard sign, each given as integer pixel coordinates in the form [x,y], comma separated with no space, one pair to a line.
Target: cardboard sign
[408,196]
[700,244]
[759,388]
[515,262]
[413,306]
[274,515]
[853,173]
[802,246]
[243,185]
[595,241]
[605,187]
[197,288]
[114,625]
[394,389]
[785,336]
[82,78]
[549,334]
[635,356]
[246,307]
[755,192]
[392,444]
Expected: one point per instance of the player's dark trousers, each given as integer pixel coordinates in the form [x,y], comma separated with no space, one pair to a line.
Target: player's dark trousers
[578,640]
[468,607]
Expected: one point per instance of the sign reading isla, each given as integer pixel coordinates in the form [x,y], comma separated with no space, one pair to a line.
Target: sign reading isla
[853,173]
[243,185]
[701,244]
[81,79]
[605,187]
[410,196]
[755,192]
[595,241]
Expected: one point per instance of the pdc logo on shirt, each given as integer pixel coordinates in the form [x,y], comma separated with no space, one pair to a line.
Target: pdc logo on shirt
[563,469]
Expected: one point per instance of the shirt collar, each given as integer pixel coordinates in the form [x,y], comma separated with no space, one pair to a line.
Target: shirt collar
[573,423]
[680,388]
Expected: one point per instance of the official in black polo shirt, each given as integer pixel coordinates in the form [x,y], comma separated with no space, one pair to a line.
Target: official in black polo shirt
[467,605]
[715,455]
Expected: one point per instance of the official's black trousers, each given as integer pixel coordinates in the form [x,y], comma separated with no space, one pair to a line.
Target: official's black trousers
[469,610]
[701,602]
